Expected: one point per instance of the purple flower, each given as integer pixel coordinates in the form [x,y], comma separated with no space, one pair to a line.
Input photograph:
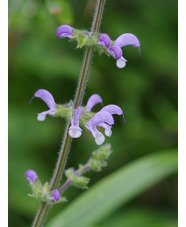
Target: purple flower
[115,50]
[124,40]
[47,97]
[98,119]
[64,31]
[55,196]
[75,131]
[104,40]
[103,119]
[31,175]
[93,100]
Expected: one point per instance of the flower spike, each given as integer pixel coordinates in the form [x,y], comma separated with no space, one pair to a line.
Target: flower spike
[31,175]
[75,131]
[55,196]
[47,97]
[64,31]
[93,100]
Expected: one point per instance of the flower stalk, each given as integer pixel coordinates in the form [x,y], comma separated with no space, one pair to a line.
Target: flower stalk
[65,147]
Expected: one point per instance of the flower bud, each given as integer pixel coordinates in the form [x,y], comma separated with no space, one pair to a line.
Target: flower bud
[55,196]
[31,175]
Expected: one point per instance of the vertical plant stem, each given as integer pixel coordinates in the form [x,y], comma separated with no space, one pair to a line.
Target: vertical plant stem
[41,215]
[65,147]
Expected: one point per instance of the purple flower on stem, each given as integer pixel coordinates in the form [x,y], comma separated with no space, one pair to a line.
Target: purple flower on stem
[55,196]
[47,97]
[31,175]
[98,119]
[124,40]
[111,109]
[75,131]
[115,50]
[64,31]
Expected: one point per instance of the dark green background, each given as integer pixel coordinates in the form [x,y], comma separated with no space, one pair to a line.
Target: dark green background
[146,90]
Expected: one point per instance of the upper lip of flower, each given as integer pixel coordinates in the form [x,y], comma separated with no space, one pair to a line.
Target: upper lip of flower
[92,101]
[47,97]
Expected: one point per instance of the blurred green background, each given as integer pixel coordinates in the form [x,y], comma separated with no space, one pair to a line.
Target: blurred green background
[146,90]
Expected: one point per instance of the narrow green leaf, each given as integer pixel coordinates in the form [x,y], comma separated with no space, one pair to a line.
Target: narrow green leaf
[117,189]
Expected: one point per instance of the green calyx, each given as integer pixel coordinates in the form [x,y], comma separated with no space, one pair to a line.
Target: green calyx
[85,38]
[66,111]
[77,180]
[99,157]
[89,39]
[43,193]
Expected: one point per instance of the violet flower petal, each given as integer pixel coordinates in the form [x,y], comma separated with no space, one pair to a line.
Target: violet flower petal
[75,131]
[121,62]
[112,109]
[101,117]
[55,196]
[99,137]
[127,39]
[108,131]
[93,100]
[47,97]
[31,175]
[96,120]
[64,31]
[104,40]
[115,51]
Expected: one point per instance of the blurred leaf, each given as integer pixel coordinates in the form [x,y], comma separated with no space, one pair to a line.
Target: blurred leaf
[61,9]
[117,189]
[141,217]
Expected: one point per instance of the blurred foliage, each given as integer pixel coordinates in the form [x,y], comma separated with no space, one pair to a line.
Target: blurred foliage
[105,196]
[146,90]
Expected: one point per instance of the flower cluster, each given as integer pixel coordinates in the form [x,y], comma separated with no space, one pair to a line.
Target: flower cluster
[82,115]
[102,42]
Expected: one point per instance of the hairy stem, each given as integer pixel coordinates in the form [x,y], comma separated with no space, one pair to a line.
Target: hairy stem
[41,214]
[65,147]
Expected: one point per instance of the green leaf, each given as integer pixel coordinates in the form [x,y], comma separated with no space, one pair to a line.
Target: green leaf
[141,217]
[116,190]
[46,188]
[61,9]
[37,186]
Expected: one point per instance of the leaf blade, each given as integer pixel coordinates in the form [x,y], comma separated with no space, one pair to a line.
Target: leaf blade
[116,189]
